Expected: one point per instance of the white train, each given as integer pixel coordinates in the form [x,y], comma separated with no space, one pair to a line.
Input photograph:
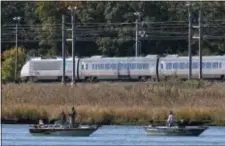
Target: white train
[150,67]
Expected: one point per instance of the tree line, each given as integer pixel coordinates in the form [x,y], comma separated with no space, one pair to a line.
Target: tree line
[108,28]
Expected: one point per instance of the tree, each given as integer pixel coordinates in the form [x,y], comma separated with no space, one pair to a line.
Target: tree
[8,63]
[97,33]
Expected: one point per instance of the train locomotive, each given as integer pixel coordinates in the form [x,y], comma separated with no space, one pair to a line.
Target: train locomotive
[148,68]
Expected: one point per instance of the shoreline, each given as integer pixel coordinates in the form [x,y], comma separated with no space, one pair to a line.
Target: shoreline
[192,123]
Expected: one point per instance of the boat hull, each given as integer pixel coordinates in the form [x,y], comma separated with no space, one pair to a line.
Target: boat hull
[175,131]
[60,131]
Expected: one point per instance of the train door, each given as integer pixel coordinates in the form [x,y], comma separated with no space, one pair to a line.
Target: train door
[123,70]
[83,71]
[161,71]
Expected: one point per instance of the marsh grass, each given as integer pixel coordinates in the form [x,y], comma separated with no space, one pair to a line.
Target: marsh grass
[116,103]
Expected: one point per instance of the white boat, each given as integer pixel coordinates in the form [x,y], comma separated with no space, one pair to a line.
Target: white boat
[175,130]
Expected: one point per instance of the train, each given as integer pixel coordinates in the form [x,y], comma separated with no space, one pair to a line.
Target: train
[143,68]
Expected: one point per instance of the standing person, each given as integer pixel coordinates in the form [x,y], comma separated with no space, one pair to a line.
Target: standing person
[73,117]
[62,118]
[170,119]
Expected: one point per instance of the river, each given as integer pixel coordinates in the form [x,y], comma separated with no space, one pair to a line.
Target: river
[111,135]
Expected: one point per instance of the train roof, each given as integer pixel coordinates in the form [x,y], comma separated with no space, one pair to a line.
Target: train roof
[128,57]
[150,56]
[193,58]
[216,57]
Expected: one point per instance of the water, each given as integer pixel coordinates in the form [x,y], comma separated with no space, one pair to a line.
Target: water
[111,135]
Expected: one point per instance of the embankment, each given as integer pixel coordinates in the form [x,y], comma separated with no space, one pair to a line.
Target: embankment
[115,103]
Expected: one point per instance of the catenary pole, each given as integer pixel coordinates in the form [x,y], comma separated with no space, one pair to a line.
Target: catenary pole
[63,49]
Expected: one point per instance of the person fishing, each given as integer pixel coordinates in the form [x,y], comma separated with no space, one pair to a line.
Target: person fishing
[62,118]
[73,117]
[170,119]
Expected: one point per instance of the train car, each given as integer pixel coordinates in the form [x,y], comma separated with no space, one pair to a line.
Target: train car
[151,67]
[118,68]
[41,69]
[91,68]
[213,67]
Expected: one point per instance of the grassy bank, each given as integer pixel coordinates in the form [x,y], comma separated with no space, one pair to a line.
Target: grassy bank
[116,103]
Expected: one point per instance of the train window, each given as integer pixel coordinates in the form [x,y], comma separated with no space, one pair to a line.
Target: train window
[133,66]
[107,66]
[139,66]
[125,66]
[82,67]
[93,66]
[102,66]
[168,65]
[175,65]
[122,66]
[130,65]
[215,64]
[146,66]
[203,65]
[119,66]
[86,66]
[161,66]
[182,65]
[220,65]
[114,66]
[142,65]
[98,66]
[208,65]
[186,65]
[195,65]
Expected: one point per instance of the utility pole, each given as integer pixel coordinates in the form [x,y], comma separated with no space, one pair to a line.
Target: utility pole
[200,44]
[189,40]
[63,49]
[17,19]
[73,9]
[136,40]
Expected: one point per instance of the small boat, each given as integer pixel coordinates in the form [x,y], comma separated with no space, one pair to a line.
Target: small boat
[175,130]
[60,130]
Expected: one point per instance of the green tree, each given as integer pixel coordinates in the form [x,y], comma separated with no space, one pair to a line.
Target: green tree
[8,63]
[113,39]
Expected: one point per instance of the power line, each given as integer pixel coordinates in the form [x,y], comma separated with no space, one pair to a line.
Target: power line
[153,37]
[165,23]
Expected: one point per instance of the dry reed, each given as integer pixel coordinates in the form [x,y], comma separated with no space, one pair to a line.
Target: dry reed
[118,103]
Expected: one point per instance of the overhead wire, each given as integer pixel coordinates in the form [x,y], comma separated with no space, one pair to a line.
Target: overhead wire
[167,30]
